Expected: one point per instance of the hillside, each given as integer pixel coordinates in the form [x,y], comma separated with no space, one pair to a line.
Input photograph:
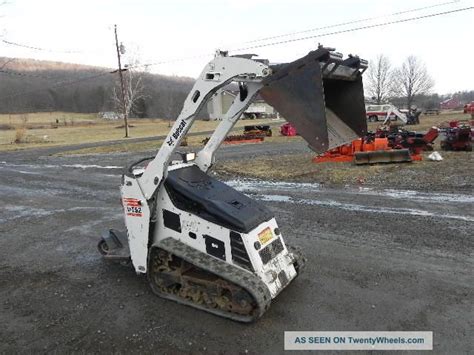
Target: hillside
[29,85]
[32,65]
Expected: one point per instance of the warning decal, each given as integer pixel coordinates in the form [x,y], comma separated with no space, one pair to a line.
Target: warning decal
[133,207]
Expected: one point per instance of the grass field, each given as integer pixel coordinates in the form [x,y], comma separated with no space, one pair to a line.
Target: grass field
[455,170]
[427,121]
[453,173]
[60,128]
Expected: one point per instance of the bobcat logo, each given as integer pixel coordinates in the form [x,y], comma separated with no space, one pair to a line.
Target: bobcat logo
[177,133]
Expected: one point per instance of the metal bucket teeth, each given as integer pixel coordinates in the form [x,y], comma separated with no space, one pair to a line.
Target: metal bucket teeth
[322,95]
[383,156]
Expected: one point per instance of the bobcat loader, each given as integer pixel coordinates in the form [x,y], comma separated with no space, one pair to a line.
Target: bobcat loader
[202,243]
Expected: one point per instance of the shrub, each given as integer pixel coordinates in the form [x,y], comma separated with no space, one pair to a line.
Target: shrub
[20,135]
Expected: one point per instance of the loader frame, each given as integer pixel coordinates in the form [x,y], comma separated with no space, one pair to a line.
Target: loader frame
[140,188]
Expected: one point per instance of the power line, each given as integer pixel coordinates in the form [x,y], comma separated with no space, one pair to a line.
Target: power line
[255,40]
[11,43]
[350,22]
[168,61]
[67,83]
[354,29]
[324,34]
[129,67]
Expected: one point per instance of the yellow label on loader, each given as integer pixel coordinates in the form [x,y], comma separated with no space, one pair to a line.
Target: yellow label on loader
[265,235]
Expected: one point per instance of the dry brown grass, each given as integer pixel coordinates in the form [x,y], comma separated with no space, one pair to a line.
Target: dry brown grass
[299,166]
[194,141]
[62,128]
[296,167]
[455,172]
[428,121]
[86,128]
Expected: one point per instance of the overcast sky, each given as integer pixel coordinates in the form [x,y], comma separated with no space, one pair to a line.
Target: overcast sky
[163,30]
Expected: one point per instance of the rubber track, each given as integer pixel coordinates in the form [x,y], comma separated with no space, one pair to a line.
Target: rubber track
[248,281]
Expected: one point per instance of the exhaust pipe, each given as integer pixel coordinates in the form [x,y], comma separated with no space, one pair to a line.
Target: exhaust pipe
[322,95]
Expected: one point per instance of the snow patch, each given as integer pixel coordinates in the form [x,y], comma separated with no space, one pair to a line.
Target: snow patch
[15,212]
[359,208]
[425,196]
[91,166]
[248,185]
[58,166]
[259,185]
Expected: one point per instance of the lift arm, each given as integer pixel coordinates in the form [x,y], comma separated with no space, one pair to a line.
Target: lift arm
[217,73]
[206,157]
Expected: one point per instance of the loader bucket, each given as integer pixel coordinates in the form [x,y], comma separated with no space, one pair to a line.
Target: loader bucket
[321,94]
[382,156]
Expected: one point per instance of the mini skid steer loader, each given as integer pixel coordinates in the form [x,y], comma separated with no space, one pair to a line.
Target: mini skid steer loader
[202,243]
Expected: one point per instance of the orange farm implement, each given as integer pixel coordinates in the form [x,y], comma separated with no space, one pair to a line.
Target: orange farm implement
[240,139]
[362,152]
[391,145]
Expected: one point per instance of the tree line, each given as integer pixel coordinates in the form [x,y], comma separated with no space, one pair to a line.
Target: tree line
[33,86]
[405,86]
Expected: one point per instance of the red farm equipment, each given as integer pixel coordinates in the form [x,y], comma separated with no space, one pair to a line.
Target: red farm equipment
[383,146]
[288,130]
[366,151]
[457,135]
[416,142]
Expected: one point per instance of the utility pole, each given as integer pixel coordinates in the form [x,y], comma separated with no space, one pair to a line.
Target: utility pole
[122,85]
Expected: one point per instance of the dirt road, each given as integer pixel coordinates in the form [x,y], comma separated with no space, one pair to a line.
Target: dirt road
[378,259]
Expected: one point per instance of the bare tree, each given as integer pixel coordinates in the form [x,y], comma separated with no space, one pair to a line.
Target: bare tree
[134,88]
[379,78]
[5,61]
[412,79]
[134,91]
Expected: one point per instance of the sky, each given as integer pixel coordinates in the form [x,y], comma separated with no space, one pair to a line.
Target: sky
[188,32]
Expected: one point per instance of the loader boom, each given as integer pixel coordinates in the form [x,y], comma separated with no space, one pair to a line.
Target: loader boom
[217,73]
